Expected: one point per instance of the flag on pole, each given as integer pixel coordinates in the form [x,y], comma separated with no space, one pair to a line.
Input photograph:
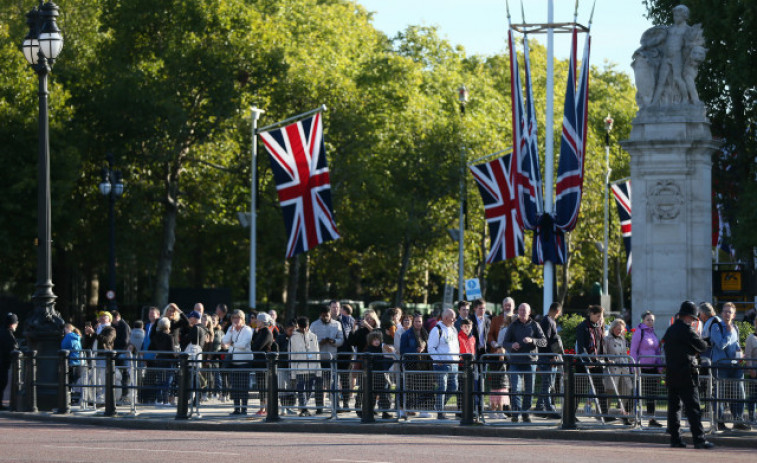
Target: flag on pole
[298,160]
[527,173]
[497,189]
[622,193]
[570,170]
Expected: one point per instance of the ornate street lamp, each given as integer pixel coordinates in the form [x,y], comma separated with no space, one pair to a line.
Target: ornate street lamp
[462,99]
[44,329]
[111,186]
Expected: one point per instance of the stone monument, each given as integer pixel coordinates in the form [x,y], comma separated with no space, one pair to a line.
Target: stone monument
[671,148]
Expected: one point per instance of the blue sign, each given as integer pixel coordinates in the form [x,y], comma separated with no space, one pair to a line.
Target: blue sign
[472,289]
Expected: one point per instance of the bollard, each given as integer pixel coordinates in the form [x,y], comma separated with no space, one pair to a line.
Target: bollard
[16,382]
[110,383]
[30,375]
[64,393]
[569,398]
[467,405]
[369,398]
[273,388]
[182,397]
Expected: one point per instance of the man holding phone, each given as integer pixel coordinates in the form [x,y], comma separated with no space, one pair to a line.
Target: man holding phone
[330,336]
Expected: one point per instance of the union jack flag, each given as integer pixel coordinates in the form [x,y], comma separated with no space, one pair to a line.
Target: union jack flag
[570,170]
[298,160]
[501,208]
[525,145]
[622,193]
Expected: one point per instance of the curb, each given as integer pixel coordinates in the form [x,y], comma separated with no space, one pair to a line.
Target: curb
[737,441]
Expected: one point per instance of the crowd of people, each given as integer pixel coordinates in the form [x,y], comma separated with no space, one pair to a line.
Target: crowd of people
[513,346]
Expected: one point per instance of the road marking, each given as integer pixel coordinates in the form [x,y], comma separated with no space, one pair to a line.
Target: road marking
[362,461]
[78,447]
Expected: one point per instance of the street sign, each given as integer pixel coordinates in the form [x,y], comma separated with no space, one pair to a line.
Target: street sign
[472,289]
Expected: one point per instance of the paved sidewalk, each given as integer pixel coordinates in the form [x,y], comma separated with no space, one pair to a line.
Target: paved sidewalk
[214,419]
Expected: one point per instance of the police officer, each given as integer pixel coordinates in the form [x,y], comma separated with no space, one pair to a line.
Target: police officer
[7,345]
[682,344]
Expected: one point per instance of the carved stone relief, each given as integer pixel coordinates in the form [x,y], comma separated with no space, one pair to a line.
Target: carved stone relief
[665,200]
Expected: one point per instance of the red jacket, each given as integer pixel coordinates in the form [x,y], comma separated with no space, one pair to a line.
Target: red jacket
[467,343]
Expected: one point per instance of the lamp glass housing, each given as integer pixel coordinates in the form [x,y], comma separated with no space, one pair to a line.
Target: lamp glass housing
[105,188]
[51,44]
[30,48]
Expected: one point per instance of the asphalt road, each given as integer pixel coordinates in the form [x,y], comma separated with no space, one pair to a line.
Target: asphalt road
[27,441]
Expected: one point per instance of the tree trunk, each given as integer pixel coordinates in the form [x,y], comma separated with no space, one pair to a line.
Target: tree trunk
[481,264]
[404,264]
[291,291]
[305,284]
[620,285]
[170,212]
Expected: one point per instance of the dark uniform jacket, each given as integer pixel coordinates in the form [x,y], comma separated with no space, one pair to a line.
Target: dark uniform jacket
[7,345]
[682,344]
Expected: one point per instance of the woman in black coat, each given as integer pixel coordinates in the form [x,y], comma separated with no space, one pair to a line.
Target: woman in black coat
[591,345]
[262,342]
[165,361]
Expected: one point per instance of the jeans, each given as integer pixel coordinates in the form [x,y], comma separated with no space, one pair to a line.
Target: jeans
[306,384]
[446,384]
[545,401]
[522,402]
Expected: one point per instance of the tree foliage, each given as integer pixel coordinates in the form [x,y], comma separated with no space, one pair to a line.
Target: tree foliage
[166,87]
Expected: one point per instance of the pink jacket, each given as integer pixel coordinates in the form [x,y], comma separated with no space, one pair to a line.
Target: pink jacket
[644,344]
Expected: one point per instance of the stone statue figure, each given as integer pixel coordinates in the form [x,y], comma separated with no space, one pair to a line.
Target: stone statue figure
[667,63]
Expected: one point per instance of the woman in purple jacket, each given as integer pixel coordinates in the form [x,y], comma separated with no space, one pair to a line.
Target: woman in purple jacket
[645,350]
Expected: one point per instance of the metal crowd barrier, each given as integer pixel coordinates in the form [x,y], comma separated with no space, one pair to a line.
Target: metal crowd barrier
[569,391]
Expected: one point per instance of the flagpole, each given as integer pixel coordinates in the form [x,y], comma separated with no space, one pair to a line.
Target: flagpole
[509,149]
[605,279]
[293,118]
[549,155]
[256,112]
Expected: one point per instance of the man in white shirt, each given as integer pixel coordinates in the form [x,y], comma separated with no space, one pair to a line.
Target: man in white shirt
[330,336]
[444,349]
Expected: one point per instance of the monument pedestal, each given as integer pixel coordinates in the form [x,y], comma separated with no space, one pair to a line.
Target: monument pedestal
[671,151]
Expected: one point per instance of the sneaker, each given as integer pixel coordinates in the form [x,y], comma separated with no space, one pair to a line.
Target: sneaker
[706,445]
[678,444]
[654,424]
[304,413]
[424,415]
[526,419]
[319,411]
[261,413]
[514,419]
[386,416]
[234,413]
[440,416]
[742,427]
[722,427]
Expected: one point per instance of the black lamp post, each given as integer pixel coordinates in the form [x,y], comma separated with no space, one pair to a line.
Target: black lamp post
[111,186]
[44,329]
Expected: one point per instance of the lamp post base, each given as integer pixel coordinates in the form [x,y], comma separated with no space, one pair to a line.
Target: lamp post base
[44,333]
